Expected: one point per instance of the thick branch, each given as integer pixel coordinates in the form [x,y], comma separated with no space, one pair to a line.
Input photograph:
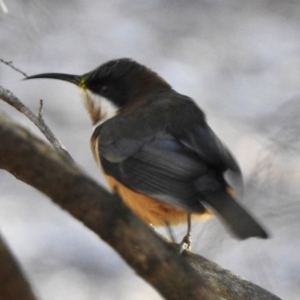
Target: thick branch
[225,283]
[13,285]
[27,158]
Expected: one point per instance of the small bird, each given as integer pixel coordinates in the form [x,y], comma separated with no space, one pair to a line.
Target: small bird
[156,149]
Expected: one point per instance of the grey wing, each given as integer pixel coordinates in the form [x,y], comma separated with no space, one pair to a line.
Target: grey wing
[155,160]
[176,160]
[162,168]
[210,148]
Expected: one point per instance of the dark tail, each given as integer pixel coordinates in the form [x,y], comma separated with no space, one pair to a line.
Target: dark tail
[240,222]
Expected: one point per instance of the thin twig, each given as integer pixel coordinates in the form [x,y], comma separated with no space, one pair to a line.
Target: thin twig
[12,100]
[10,64]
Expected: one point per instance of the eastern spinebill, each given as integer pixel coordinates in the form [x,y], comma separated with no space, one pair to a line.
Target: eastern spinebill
[157,150]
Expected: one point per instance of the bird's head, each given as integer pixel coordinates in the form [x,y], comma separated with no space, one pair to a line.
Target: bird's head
[113,87]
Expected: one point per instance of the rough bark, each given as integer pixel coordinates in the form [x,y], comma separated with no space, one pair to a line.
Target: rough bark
[176,277]
[33,161]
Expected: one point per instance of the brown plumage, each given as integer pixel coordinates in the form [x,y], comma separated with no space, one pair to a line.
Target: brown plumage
[148,209]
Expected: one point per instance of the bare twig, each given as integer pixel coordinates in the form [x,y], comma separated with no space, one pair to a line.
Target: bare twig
[12,100]
[10,64]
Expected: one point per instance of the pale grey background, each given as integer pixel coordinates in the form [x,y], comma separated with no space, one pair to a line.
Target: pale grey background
[240,60]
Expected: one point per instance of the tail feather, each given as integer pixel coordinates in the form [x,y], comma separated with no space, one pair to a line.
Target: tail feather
[240,222]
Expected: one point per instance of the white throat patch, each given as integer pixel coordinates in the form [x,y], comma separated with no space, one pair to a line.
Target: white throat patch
[106,108]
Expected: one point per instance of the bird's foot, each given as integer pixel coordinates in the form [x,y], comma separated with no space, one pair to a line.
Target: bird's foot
[186,244]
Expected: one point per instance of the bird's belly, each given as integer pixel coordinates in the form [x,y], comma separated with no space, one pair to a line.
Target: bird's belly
[148,209]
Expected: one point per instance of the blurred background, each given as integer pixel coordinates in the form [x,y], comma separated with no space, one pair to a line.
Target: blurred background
[240,60]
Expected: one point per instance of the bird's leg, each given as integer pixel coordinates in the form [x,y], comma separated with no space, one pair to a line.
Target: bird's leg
[187,240]
[170,232]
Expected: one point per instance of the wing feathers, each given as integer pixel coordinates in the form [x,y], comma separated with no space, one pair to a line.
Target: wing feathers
[179,161]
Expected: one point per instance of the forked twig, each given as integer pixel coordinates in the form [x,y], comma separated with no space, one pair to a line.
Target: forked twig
[8,97]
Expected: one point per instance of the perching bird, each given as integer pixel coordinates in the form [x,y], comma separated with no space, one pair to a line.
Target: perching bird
[156,149]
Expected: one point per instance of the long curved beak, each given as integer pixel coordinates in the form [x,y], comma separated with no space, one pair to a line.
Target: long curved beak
[75,79]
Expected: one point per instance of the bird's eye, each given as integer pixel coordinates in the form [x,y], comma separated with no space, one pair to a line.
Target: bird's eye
[105,90]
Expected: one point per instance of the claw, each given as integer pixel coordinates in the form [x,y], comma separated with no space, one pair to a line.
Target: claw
[186,243]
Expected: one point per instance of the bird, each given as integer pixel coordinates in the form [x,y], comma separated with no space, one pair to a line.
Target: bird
[157,151]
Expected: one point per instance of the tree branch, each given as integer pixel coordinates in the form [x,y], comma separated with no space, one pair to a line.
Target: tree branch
[27,158]
[225,283]
[12,100]
[13,285]
[174,276]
